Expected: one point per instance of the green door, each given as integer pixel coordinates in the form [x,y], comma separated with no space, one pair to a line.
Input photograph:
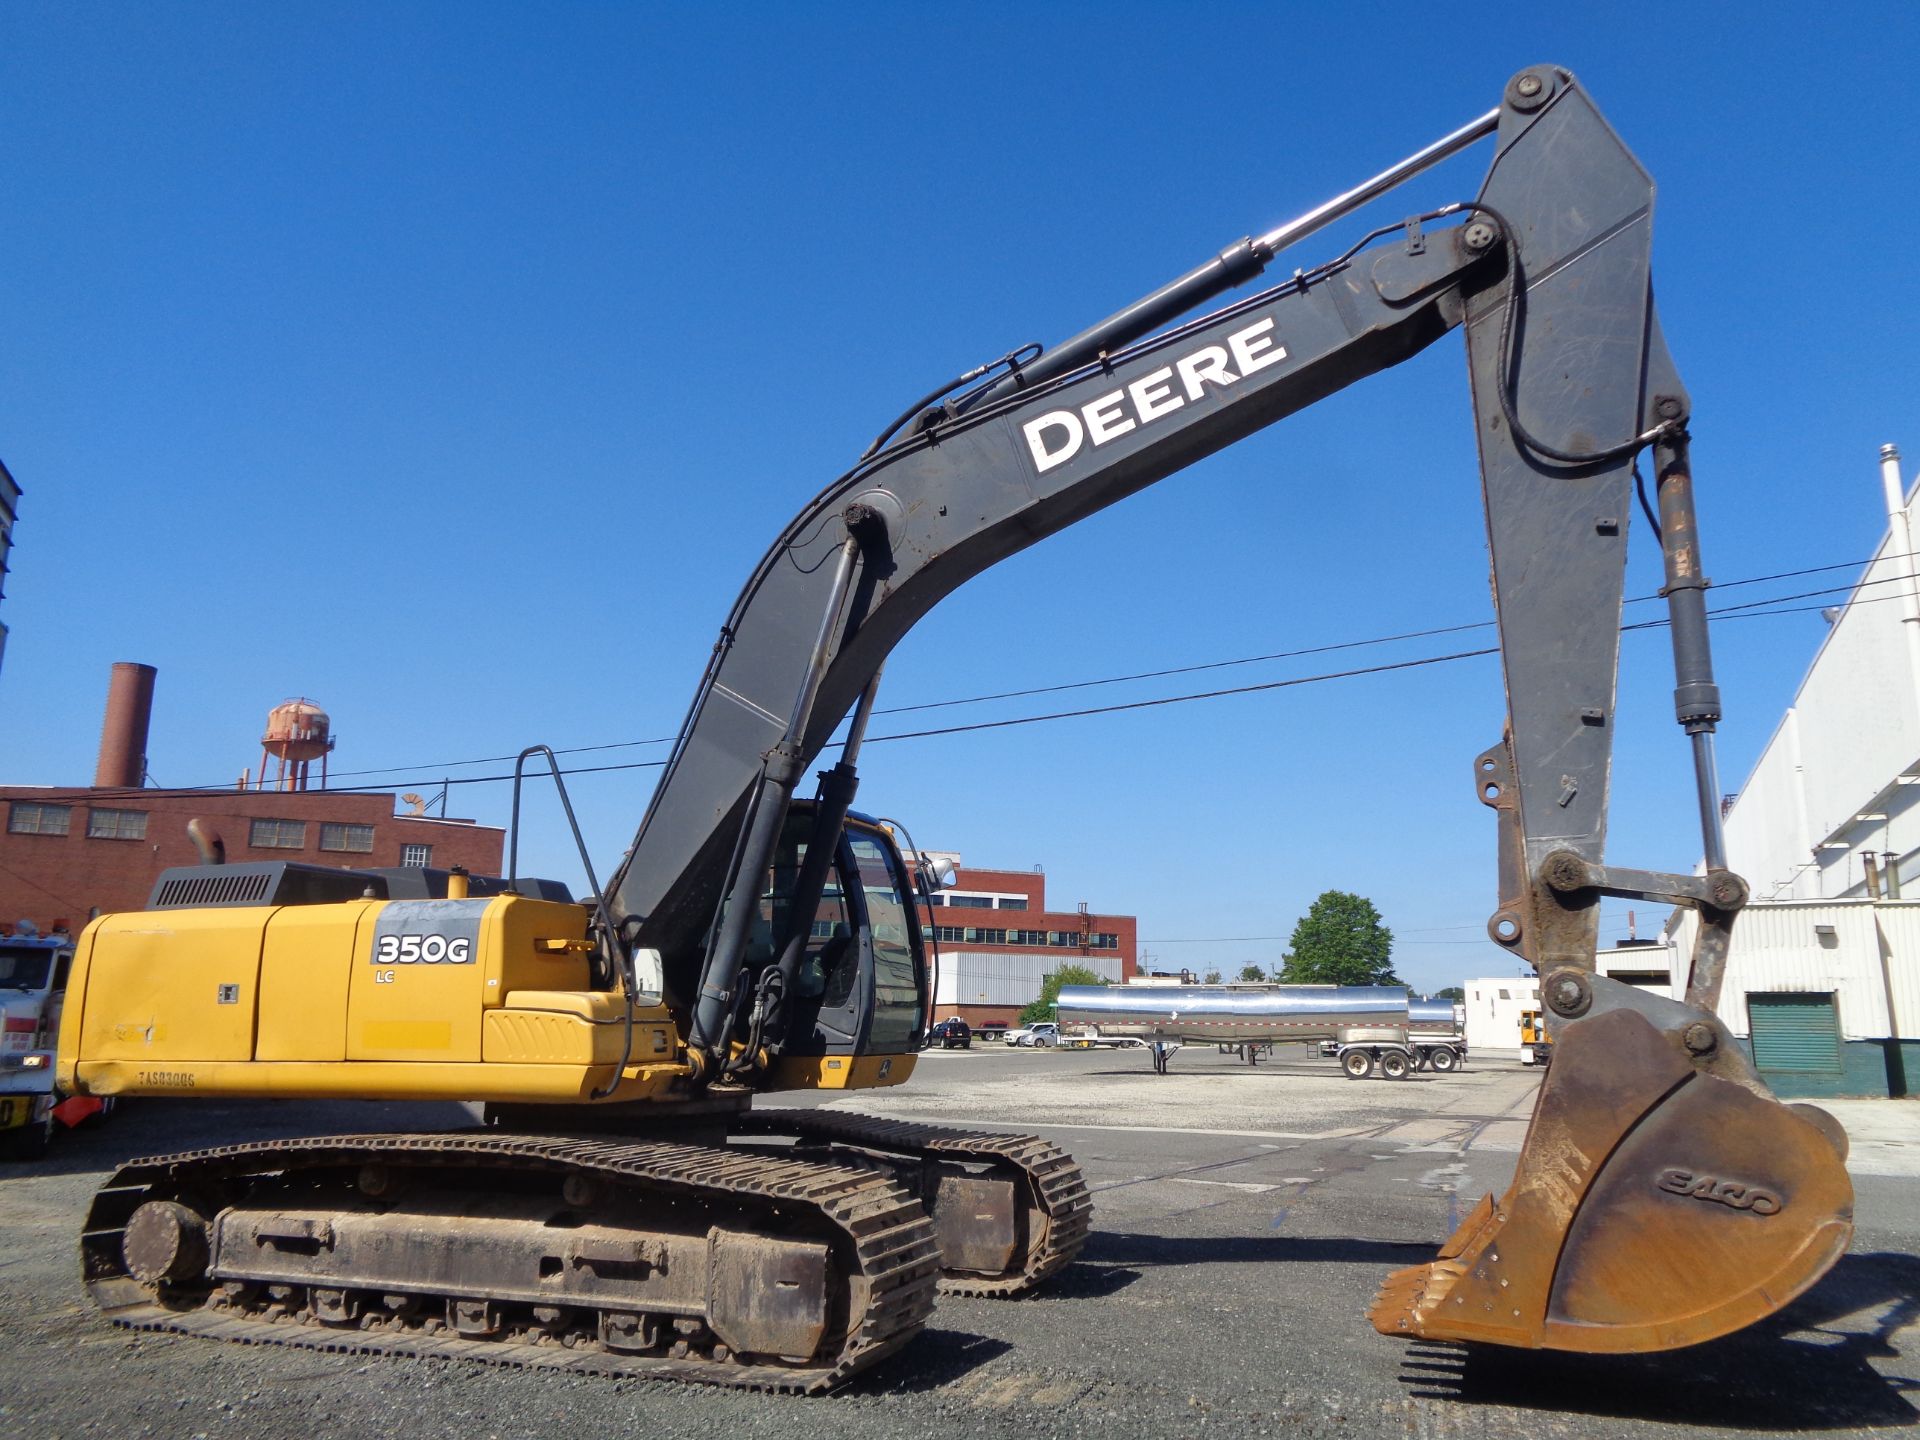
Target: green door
[1796,1041]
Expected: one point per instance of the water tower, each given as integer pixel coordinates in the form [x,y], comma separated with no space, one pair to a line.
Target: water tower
[298,733]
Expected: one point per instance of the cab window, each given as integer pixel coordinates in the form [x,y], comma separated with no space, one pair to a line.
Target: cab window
[829,941]
[895,980]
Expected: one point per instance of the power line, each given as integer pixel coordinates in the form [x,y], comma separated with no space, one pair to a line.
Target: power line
[1191,669]
[1183,699]
[1749,609]
[1732,612]
[1169,670]
[871,739]
[1358,644]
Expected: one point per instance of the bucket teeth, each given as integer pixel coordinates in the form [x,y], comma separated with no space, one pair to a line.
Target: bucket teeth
[1409,1296]
[1461,1295]
[1401,1306]
[1656,1204]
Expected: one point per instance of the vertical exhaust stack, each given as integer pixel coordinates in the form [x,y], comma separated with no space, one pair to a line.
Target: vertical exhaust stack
[123,738]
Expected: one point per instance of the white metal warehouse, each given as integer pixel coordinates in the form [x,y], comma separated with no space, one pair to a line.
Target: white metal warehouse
[1824,973]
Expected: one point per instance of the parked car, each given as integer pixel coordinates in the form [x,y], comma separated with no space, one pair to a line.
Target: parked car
[1040,1036]
[951,1034]
[1019,1035]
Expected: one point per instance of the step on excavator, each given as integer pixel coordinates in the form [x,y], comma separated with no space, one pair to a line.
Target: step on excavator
[630,1207]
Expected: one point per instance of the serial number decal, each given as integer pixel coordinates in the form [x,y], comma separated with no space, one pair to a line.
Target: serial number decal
[169,1079]
[1731,1193]
[423,950]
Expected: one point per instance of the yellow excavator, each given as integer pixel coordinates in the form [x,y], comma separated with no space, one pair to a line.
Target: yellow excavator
[630,1207]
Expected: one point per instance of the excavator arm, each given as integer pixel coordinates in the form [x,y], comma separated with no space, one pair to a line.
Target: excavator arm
[1663,1195]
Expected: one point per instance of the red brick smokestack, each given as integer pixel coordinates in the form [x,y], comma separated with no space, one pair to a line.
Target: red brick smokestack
[123,738]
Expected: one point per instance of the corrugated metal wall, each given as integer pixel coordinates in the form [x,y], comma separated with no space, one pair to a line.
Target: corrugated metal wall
[1851,730]
[987,977]
[1863,670]
[1493,1010]
[1900,946]
[1770,838]
[1870,962]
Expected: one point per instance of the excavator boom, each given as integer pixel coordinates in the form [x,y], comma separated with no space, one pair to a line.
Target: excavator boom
[1571,380]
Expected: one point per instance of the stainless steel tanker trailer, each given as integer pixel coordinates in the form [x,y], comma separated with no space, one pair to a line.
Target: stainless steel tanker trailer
[1368,1028]
[1436,1032]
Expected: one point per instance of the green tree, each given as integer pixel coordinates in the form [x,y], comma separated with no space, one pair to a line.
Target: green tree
[1340,941]
[1452,992]
[1042,1009]
[1252,973]
[1212,977]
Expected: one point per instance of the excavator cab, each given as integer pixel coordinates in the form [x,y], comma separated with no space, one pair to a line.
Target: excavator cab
[861,985]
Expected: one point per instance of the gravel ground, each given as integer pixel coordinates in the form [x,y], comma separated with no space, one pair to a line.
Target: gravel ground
[1244,1218]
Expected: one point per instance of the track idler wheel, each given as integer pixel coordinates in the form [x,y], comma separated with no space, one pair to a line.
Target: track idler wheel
[1663,1197]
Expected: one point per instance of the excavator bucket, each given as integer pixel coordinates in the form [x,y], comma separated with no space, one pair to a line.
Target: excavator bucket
[1663,1197]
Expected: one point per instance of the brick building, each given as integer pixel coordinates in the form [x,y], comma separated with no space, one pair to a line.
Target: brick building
[998,941]
[69,854]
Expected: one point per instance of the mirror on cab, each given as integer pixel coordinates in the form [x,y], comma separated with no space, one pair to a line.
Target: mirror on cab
[936,871]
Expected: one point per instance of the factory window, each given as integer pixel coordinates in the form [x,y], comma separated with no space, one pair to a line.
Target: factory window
[948,934]
[116,824]
[1013,902]
[970,902]
[978,936]
[1063,939]
[355,839]
[417,856]
[1026,937]
[30,819]
[1103,940]
[277,835]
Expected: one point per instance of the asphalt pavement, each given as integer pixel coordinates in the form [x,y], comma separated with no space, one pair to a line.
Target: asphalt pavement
[1244,1217]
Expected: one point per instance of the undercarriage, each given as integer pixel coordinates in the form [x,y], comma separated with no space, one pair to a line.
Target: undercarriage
[761,1264]
[628,1258]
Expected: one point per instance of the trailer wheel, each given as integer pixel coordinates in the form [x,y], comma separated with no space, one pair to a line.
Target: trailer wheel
[1357,1063]
[1421,1058]
[1395,1065]
[1445,1059]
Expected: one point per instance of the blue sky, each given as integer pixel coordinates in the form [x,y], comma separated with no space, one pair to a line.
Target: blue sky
[452,365]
